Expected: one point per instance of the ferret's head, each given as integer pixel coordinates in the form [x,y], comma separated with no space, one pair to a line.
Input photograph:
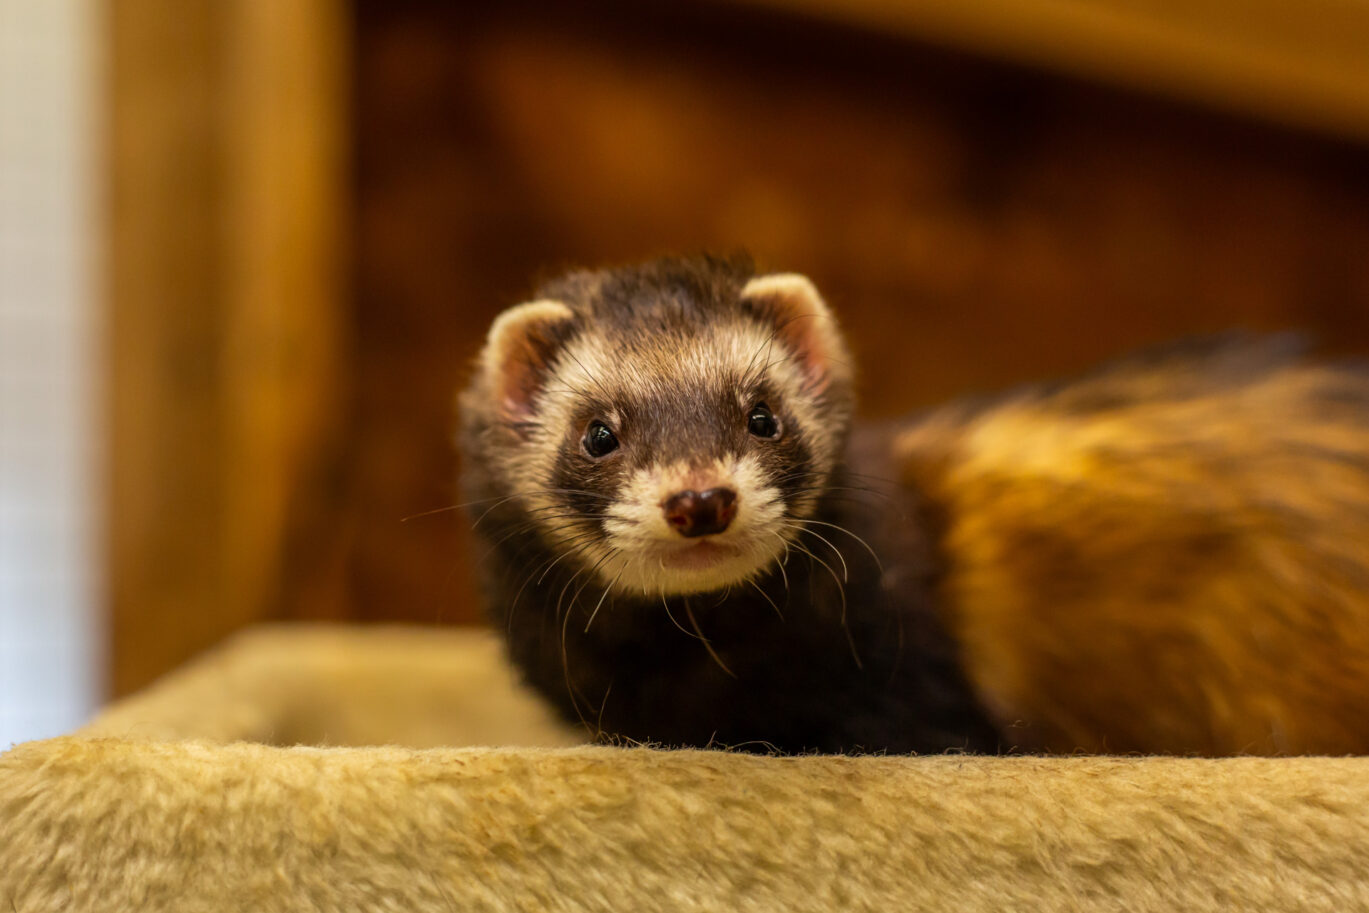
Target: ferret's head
[668,426]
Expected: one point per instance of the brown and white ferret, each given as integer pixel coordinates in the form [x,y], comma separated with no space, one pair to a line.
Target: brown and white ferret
[688,544]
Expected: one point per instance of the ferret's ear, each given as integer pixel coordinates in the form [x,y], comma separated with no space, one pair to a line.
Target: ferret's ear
[519,351]
[803,324]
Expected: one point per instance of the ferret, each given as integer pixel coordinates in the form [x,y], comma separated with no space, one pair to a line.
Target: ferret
[688,542]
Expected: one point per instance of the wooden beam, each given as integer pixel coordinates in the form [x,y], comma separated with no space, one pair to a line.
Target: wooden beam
[1304,64]
[226,197]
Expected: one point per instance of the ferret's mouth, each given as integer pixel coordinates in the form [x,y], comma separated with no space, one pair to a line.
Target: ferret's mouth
[670,566]
[701,556]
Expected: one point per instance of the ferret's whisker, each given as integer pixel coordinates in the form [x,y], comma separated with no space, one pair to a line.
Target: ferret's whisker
[565,663]
[837,492]
[708,644]
[548,564]
[562,557]
[783,562]
[588,579]
[841,592]
[509,497]
[842,529]
[429,513]
[572,540]
[845,571]
[523,528]
[592,379]
[767,598]
[672,617]
[565,623]
[599,721]
[534,510]
[752,378]
[602,597]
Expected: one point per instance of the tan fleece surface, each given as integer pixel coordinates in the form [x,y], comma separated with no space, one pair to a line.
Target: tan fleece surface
[335,685]
[146,821]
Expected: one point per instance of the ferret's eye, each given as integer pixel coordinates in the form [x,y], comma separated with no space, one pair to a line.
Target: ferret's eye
[599,441]
[762,422]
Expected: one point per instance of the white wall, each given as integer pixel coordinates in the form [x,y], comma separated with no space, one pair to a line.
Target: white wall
[50,665]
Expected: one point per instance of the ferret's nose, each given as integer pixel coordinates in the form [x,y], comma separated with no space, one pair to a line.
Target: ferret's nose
[699,513]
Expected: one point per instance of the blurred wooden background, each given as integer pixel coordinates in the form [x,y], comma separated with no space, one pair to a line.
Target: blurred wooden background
[362,187]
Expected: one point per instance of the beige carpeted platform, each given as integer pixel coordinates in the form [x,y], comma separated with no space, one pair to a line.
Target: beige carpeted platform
[182,799]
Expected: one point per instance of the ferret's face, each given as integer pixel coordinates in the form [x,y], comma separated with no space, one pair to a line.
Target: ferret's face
[662,443]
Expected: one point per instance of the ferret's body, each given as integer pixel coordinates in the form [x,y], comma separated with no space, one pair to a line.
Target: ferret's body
[779,668]
[1171,556]
[688,547]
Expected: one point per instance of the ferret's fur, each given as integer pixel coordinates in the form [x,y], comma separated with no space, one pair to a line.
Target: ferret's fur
[1171,555]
